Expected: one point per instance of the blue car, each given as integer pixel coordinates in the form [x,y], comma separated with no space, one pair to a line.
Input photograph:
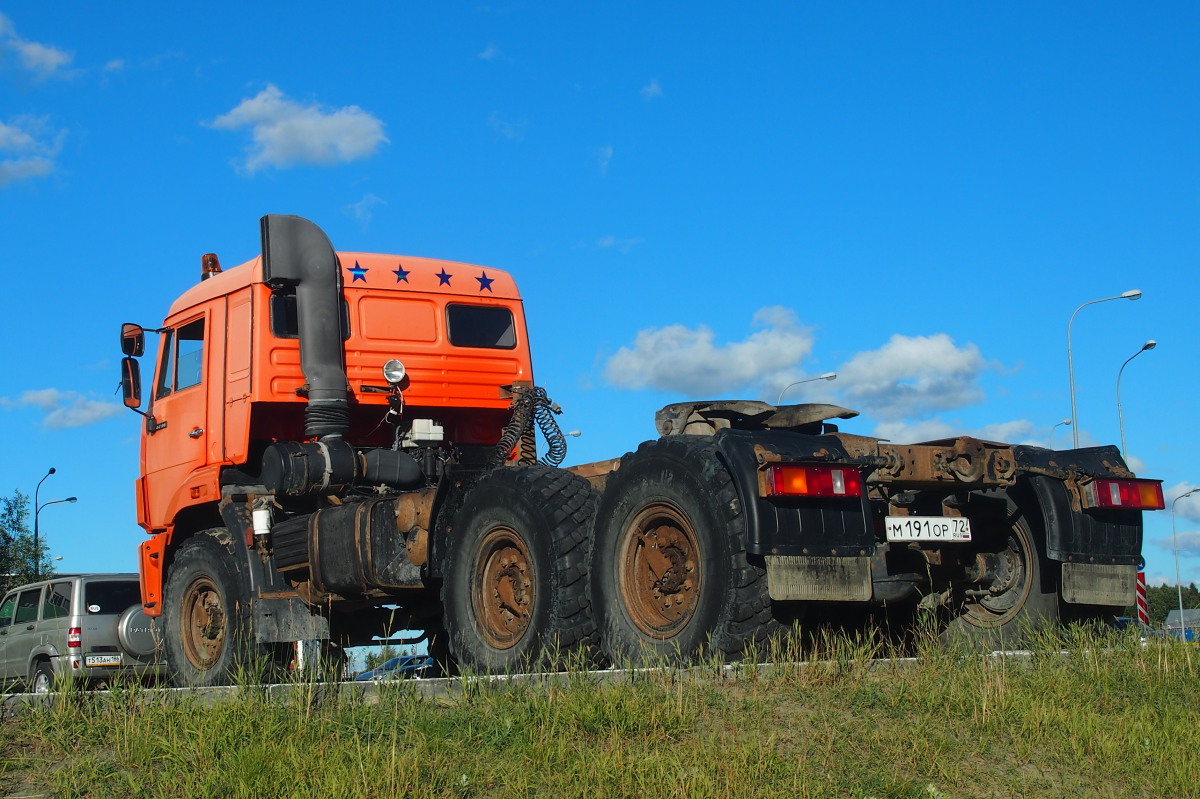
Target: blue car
[399,668]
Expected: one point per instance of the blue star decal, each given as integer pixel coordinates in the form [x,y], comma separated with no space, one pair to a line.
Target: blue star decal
[358,272]
[401,273]
[443,278]
[485,282]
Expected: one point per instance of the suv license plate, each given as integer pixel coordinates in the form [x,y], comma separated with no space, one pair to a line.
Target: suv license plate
[103,660]
[927,528]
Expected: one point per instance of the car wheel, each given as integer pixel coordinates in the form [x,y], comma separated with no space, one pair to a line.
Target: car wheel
[41,681]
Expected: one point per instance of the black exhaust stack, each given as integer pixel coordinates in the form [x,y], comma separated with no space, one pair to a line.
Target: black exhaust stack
[296,252]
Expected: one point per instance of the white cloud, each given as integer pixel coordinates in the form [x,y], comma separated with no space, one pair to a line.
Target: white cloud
[513,131]
[490,52]
[1189,544]
[115,65]
[1186,508]
[621,245]
[286,132]
[689,361]
[652,90]
[913,377]
[64,408]
[604,157]
[28,147]
[362,210]
[1017,431]
[42,60]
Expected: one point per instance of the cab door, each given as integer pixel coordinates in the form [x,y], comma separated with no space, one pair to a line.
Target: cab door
[176,436]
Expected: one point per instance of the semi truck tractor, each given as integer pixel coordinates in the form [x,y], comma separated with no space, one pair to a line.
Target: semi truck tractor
[339,446]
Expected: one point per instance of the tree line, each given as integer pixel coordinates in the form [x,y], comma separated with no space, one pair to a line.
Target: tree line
[1164,598]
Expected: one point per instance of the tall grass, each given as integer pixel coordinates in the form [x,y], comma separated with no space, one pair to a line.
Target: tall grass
[1080,716]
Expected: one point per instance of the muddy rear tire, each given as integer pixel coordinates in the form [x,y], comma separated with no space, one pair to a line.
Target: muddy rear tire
[515,589]
[671,578]
[1017,606]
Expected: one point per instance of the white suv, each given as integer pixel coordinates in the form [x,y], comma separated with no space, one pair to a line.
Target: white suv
[88,626]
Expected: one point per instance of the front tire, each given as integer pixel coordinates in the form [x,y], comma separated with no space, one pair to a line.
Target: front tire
[515,589]
[670,574]
[208,631]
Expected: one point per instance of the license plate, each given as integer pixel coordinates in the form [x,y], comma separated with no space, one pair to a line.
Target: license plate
[927,528]
[103,660]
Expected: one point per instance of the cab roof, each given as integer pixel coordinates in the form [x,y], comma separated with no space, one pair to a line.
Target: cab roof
[404,273]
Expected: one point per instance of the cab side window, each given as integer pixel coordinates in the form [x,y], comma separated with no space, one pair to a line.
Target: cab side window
[182,359]
[27,605]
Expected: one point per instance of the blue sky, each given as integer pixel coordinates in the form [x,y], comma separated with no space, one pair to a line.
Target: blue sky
[696,200]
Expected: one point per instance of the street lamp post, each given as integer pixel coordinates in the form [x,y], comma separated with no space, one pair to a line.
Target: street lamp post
[1175,544]
[1149,345]
[1066,422]
[37,552]
[826,376]
[36,510]
[1132,294]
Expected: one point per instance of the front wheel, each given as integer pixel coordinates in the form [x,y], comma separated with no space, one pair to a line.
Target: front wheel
[208,632]
[515,589]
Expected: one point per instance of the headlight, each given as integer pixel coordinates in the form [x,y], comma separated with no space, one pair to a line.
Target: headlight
[393,372]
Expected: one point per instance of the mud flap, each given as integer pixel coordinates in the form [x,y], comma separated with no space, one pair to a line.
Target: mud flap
[1098,584]
[803,577]
[278,619]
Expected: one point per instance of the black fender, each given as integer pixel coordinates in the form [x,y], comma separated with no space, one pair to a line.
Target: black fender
[783,526]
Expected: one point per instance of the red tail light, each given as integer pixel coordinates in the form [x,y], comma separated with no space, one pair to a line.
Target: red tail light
[813,481]
[1126,494]
[74,637]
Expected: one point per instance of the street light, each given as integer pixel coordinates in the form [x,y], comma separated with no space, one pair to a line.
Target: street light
[37,552]
[36,510]
[1132,294]
[1175,544]
[1066,422]
[1149,345]
[826,376]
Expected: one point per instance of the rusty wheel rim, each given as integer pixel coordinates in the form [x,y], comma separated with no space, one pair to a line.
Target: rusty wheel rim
[505,592]
[203,624]
[1008,597]
[659,561]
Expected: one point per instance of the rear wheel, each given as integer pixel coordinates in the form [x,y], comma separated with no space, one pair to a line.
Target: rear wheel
[1018,601]
[515,589]
[670,574]
[208,637]
[41,680]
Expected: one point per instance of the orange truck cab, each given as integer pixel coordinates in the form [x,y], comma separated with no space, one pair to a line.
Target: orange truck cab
[311,422]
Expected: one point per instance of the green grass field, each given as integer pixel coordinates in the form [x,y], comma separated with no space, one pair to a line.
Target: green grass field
[1082,717]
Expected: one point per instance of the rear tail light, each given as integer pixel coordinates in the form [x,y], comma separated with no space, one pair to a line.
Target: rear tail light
[74,640]
[1126,494]
[813,481]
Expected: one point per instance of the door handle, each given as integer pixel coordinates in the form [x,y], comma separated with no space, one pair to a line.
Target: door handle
[196,433]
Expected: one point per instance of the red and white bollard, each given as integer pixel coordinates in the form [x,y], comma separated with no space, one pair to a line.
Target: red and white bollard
[1143,609]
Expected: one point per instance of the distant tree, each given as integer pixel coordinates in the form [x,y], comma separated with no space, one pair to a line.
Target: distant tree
[18,561]
[373,659]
